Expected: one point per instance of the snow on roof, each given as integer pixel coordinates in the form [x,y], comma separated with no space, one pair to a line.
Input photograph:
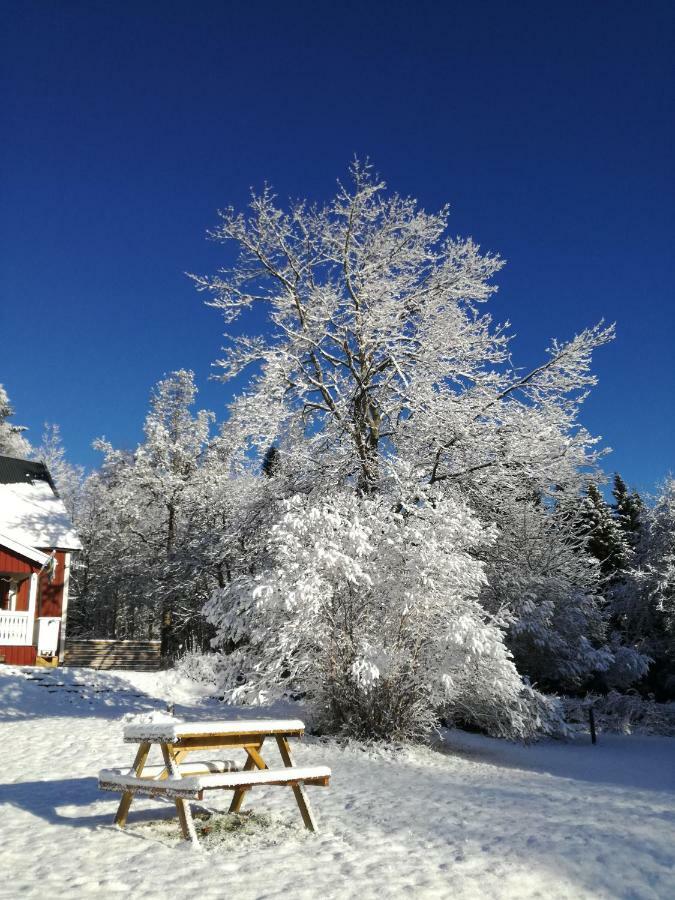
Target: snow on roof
[32,514]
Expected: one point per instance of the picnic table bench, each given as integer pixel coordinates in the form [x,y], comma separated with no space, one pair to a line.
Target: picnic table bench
[183,781]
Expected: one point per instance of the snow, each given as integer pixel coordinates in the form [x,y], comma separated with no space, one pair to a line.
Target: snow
[192,784]
[472,817]
[173,729]
[32,514]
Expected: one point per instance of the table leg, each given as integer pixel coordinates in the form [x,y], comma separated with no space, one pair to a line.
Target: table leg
[253,761]
[187,825]
[127,796]
[299,790]
[178,757]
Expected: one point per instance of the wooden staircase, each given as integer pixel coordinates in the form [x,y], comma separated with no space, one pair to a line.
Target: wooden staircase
[141,656]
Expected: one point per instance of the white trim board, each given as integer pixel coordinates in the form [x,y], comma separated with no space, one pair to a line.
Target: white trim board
[23,550]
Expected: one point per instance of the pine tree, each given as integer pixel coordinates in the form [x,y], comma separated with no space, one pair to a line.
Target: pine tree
[271,463]
[605,539]
[628,508]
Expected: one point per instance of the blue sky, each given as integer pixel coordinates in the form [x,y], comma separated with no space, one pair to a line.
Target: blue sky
[548,127]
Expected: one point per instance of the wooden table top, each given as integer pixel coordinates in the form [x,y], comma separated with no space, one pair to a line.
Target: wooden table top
[174,729]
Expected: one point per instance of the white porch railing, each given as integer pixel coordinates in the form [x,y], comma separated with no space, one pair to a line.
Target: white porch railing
[16,628]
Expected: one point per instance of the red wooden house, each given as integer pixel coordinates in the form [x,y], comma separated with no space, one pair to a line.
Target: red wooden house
[37,542]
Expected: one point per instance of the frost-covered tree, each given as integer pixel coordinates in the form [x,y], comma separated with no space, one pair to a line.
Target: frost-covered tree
[142,514]
[112,597]
[67,477]
[645,603]
[545,584]
[12,441]
[375,344]
[164,465]
[379,378]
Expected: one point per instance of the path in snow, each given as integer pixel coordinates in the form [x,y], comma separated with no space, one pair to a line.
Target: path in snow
[482,818]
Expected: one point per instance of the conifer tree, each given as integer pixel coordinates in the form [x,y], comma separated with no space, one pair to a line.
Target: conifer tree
[605,539]
[628,508]
[271,462]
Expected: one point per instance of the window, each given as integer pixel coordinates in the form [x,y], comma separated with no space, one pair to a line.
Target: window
[8,590]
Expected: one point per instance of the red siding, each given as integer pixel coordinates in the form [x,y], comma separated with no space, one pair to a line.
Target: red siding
[22,595]
[13,564]
[50,597]
[19,656]
[51,593]
[10,562]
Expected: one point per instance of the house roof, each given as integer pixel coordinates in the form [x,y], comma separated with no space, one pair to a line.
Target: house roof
[31,512]
[19,471]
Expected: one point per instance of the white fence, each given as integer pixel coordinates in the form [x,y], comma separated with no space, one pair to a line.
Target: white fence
[16,628]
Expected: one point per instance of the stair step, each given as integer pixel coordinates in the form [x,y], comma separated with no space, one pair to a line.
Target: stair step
[139,655]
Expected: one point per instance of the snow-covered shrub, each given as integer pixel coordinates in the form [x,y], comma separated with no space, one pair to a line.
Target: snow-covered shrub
[199,667]
[622,713]
[627,668]
[542,579]
[373,615]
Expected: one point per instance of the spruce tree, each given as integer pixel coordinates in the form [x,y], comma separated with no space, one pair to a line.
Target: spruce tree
[271,463]
[604,538]
[627,508]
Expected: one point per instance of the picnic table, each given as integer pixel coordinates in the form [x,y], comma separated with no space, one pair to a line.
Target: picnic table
[182,781]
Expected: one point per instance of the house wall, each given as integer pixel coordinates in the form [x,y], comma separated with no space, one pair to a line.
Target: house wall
[19,656]
[9,562]
[49,599]
[50,595]
[22,595]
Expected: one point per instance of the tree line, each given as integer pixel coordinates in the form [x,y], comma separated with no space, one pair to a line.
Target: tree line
[394,523]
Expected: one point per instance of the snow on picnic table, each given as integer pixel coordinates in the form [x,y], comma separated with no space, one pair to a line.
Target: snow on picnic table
[477,818]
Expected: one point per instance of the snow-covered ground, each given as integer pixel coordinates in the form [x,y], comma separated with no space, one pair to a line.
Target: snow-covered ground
[474,818]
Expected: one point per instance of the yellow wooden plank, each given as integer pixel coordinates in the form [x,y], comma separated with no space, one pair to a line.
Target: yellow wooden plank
[172,758]
[177,755]
[299,792]
[253,761]
[256,757]
[216,742]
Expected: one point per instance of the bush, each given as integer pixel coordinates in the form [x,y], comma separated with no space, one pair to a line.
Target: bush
[622,713]
[373,615]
